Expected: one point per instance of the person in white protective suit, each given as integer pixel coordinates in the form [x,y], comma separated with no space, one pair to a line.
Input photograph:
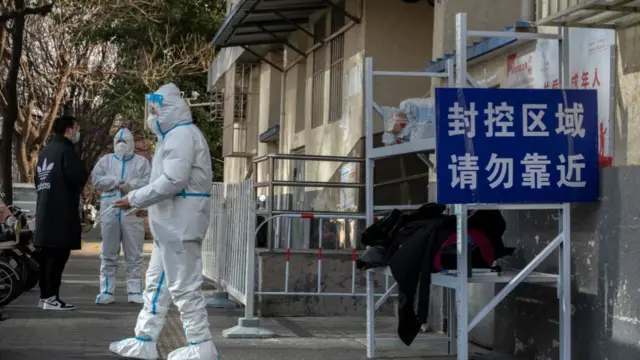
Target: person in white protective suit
[178,199]
[115,175]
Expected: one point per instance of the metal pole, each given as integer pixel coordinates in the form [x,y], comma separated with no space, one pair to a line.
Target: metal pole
[371,312]
[270,198]
[462,298]
[565,292]
[326,184]
[314,158]
[251,257]
[320,222]
[288,258]
[368,202]
[564,253]
[462,290]
[368,119]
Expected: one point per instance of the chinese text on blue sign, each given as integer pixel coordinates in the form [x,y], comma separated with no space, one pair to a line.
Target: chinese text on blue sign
[516,146]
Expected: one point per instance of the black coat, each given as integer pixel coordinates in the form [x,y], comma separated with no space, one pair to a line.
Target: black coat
[411,265]
[60,178]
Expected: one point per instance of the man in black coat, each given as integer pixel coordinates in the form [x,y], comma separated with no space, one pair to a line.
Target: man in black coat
[60,179]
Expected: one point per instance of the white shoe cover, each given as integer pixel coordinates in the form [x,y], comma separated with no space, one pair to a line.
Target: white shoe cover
[105,299]
[135,349]
[136,298]
[202,351]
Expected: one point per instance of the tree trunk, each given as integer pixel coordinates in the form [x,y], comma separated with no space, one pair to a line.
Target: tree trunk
[11,108]
[26,161]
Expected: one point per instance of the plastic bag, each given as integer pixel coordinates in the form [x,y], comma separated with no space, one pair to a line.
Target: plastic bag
[413,120]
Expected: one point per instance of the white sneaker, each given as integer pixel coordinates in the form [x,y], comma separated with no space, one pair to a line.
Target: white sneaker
[105,299]
[136,298]
[53,303]
[40,303]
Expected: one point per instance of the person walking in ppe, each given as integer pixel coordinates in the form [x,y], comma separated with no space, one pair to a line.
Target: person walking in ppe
[178,198]
[115,175]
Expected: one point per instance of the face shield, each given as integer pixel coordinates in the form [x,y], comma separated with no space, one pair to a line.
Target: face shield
[152,103]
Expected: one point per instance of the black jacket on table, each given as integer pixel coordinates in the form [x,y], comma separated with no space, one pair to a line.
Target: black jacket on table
[60,178]
[411,265]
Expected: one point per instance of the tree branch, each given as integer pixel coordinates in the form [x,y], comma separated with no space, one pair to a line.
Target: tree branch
[40,10]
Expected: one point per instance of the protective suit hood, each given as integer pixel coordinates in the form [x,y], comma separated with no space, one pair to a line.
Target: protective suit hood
[173,111]
[127,136]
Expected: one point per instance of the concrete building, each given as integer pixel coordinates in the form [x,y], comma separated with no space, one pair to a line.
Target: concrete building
[289,77]
[287,91]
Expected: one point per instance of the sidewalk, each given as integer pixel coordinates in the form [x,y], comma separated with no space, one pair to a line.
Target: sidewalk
[32,334]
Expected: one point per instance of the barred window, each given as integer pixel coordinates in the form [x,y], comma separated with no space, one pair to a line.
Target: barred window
[336,66]
[317,80]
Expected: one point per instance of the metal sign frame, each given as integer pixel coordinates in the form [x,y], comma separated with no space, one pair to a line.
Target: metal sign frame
[372,154]
[459,284]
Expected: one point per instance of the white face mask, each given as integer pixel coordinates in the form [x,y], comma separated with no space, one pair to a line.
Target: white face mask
[121,149]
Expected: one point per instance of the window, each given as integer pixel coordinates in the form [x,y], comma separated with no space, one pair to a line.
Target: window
[336,65]
[317,81]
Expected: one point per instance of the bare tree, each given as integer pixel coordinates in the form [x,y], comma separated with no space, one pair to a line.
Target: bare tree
[10,105]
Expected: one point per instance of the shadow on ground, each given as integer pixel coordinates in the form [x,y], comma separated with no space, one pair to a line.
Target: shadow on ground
[32,334]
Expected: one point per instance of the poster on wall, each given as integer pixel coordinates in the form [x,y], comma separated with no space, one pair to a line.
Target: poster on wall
[348,195]
[589,66]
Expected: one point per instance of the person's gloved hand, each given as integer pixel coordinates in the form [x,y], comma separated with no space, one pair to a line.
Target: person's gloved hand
[124,187]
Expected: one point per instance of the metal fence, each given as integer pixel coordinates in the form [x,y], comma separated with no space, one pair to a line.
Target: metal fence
[210,253]
[287,289]
[229,247]
[229,254]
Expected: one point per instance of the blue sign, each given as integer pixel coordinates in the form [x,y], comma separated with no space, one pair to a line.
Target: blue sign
[516,145]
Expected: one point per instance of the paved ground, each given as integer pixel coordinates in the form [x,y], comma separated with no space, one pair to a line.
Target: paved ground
[32,334]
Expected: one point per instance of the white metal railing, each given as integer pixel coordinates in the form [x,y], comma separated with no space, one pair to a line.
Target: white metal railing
[229,253]
[210,258]
[225,248]
[287,291]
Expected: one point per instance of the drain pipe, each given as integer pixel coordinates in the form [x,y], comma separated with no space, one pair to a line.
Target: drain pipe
[528,10]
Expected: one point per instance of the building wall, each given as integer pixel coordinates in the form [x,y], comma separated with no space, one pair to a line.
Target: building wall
[627,126]
[481,15]
[376,36]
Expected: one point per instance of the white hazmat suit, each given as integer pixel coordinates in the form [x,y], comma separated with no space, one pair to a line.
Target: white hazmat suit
[178,199]
[116,174]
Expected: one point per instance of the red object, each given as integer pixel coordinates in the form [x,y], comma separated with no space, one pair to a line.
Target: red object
[319,253]
[354,256]
[287,254]
[478,238]
[306,216]
[596,80]
[574,80]
[585,79]
[605,161]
